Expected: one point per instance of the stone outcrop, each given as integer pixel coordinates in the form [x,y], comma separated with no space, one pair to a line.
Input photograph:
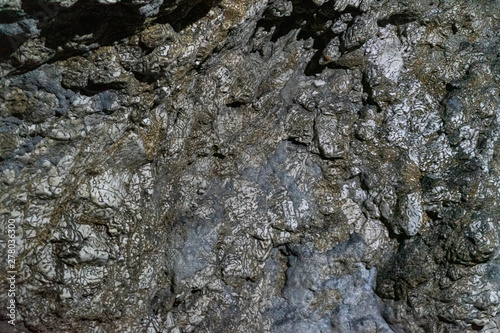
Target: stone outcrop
[251,165]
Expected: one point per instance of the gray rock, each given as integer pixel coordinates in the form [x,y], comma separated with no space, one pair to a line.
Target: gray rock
[251,166]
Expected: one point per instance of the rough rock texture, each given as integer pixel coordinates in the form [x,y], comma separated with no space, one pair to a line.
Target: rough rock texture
[252,165]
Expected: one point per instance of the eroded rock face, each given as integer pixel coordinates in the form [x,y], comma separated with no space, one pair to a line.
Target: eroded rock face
[252,166]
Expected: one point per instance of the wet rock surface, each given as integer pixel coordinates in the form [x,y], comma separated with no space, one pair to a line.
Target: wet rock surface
[252,166]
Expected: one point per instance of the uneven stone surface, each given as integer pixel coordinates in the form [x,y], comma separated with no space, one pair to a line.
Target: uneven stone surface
[251,166]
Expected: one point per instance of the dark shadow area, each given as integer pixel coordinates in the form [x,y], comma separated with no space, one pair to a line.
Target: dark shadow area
[310,20]
[104,24]
[93,89]
[41,11]
[294,141]
[303,17]
[99,23]
[89,22]
[368,90]
[398,19]
[149,79]
[186,14]
[9,45]
[38,10]
[314,67]
[235,104]
[9,16]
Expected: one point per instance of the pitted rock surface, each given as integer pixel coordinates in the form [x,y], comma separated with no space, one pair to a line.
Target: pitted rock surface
[251,166]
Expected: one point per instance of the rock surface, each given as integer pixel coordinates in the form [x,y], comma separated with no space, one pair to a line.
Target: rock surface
[252,166]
